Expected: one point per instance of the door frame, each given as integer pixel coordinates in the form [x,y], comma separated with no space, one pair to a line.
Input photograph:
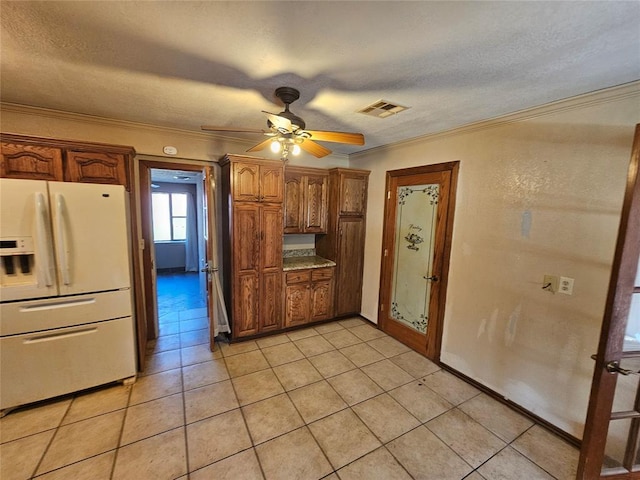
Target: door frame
[386,268]
[146,230]
[610,346]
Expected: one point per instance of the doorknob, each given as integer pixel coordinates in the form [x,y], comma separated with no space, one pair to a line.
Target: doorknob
[614,367]
[208,269]
[433,278]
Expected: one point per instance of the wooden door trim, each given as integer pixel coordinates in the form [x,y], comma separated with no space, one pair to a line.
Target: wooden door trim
[144,189]
[453,168]
[621,286]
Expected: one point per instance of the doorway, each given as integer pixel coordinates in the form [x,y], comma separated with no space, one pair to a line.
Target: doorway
[206,260]
[178,243]
[418,224]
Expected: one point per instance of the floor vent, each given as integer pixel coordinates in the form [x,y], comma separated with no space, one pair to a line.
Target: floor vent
[382,109]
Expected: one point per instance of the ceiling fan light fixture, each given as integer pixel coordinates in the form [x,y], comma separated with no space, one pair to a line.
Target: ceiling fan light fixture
[296,149]
[275,146]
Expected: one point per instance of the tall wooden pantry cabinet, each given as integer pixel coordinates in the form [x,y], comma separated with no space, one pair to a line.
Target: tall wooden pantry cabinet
[252,193]
[344,241]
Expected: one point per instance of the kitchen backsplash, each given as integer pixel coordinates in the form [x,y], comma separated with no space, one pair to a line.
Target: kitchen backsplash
[300,252]
[298,242]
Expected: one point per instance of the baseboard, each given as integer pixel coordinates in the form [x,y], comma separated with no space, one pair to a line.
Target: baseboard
[496,396]
[171,270]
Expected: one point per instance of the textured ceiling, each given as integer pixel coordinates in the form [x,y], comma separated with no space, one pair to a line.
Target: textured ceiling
[185,64]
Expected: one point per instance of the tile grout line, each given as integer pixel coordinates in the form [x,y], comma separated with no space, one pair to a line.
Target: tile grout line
[117,449]
[527,456]
[246,426]
[55,434]
[305,424]
[184,417]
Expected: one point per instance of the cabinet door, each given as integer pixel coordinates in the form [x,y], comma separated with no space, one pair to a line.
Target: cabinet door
[246,182]
[95,167]
[246,266]
[30,162]
[315,203]
[297,299]
[246,241]
[245,304]
[293,204]
[353,194]
[350,262]
[270,301]
[271,184]
[271,237]
[321,300]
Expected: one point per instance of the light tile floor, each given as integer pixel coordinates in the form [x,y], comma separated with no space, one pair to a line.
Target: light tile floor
[337,401]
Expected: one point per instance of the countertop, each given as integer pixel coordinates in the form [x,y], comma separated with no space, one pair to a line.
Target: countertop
[309,261]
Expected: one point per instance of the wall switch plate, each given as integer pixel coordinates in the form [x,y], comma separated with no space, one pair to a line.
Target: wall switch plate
[550,283]
[566,285]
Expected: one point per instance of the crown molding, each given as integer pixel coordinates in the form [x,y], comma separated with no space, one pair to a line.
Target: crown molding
[620,92]
[126,124]
[109,122]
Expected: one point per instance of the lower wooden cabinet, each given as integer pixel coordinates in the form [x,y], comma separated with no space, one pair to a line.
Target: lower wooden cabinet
[308,296]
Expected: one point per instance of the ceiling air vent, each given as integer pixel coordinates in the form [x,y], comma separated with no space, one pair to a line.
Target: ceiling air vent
[382,109]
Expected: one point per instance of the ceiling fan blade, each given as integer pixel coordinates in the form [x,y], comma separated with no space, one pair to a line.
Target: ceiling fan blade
[338,137]
[260,146]
[314,148]
[209,128]
[281,123]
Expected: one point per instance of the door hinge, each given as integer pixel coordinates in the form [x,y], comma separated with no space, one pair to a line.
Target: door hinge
[386,252]
[382,307]
[389,195]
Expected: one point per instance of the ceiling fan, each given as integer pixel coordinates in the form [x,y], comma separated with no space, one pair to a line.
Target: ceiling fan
[287,133]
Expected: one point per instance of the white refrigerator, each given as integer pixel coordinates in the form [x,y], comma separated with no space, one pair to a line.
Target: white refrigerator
[65,289]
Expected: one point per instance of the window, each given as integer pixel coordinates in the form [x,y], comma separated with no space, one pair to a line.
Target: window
[169,216]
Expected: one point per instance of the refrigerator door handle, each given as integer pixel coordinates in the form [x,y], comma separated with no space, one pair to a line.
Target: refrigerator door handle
[49,337]
[44,262]
[61,237]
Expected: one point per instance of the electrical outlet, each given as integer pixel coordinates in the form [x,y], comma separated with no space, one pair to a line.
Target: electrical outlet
[566,285]
[550,283]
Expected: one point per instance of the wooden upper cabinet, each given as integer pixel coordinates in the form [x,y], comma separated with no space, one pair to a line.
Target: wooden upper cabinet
[64,160]
[293,206]
[95,167]
[31,162]
[271,184]
[246,182]
[315,204]
[353,194]
[255,182]
[305,205]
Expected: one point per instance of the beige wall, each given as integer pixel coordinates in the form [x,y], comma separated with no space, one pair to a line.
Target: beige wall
[564,167]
